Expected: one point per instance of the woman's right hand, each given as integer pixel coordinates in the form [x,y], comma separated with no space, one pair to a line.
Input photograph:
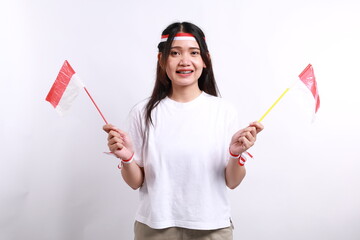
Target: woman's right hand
[119,142]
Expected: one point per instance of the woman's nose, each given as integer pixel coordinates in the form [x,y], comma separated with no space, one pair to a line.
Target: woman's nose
[185,60]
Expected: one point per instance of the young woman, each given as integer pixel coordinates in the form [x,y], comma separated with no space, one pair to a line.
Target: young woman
[184,147]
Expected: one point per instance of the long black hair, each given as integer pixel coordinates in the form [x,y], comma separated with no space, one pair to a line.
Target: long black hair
[163,85]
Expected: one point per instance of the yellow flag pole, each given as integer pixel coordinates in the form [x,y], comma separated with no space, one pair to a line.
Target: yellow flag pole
[274,104]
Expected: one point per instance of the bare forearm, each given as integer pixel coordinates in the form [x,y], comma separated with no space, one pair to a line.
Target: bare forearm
[241,141]
[133,175]
[234,174]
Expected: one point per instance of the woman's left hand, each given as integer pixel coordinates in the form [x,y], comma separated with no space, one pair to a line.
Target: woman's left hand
[245,138]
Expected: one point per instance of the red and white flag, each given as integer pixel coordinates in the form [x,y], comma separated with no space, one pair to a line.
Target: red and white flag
[308,78]
[65,89]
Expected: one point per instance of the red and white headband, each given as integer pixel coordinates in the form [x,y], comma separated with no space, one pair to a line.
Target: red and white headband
[179,36]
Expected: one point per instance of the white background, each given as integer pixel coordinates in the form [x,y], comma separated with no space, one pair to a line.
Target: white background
[55,182]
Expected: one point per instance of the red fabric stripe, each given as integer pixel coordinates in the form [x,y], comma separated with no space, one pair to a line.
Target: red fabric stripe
[60,84]
[129,158]
[233,154]
[240,163]
[308,78]
[184,35]
[179,35]
[249,154]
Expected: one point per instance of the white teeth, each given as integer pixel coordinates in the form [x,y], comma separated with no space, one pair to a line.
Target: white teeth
[184,72]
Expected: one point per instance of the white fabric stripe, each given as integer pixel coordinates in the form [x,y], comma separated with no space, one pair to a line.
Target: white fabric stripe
[72,90]
[245,155]
[248,155]
[179,38]
[232,157]
[128,162]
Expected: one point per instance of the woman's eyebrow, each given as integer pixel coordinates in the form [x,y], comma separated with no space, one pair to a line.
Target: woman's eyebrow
[179,47]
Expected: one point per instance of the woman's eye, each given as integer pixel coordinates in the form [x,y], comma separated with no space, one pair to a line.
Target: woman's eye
[195,53]
[174,53]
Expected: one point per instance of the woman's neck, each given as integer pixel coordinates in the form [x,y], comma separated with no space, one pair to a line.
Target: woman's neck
[184,94]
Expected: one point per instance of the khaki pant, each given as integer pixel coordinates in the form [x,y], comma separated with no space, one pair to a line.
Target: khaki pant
[144,232]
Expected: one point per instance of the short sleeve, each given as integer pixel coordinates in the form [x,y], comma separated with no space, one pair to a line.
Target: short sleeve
[136,130]
[233,120]
[231,124]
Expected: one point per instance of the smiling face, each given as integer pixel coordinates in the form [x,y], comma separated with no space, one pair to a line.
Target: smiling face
[184,65]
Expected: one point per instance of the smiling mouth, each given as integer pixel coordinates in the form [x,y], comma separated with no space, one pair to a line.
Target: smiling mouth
[184,72]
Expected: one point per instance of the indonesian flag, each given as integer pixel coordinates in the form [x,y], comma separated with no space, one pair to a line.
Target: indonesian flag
[308,78]
[65,89]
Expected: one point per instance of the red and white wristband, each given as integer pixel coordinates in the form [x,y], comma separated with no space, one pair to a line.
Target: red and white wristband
[241,158]
[127,161]
[123,161]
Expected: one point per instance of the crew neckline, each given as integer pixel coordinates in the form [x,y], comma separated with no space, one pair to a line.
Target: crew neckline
[185,104]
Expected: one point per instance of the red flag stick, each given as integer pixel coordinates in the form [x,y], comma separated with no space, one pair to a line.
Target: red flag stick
[95,105]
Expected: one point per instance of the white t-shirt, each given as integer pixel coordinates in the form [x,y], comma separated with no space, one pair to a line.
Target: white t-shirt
[184,160]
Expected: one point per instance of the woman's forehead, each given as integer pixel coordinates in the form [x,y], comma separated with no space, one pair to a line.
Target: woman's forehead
[185,44]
